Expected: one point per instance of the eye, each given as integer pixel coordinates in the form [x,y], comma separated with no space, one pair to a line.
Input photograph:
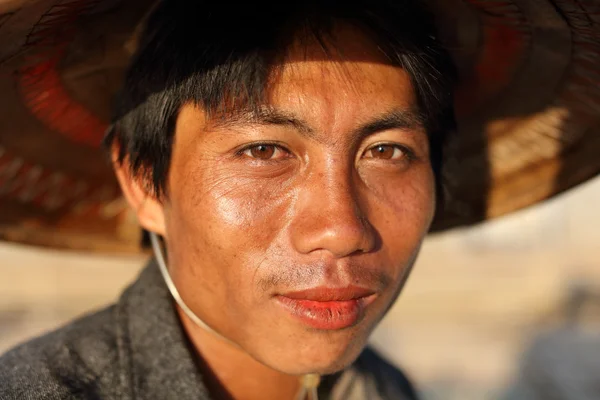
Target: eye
[385,152]
[265,151]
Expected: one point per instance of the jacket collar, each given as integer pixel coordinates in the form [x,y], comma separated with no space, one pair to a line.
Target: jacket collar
[158,355]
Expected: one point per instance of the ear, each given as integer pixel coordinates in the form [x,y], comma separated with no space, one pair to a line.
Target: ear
[148,209]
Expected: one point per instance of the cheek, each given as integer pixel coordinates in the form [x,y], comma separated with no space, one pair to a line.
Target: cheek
[232,218]
[402,209]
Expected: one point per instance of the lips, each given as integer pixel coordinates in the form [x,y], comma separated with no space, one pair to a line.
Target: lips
[325,308]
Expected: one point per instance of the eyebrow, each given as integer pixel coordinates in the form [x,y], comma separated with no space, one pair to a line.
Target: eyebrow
[394,119]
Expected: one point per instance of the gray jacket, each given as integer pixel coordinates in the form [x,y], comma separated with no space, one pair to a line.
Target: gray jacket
[136,349]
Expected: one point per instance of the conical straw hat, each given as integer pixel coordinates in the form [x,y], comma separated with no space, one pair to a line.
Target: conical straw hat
[528,110]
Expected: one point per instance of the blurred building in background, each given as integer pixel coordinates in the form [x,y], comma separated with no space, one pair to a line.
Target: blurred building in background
[504,310]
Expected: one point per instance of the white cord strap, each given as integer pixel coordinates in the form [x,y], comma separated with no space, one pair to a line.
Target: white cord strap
[175,293]
[310,382]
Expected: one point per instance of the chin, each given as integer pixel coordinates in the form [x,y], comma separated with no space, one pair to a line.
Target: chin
[326,355]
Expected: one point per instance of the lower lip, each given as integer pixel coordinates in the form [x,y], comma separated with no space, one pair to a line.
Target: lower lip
[326,315]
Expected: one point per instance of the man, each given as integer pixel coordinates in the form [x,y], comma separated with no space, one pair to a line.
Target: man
[288,155]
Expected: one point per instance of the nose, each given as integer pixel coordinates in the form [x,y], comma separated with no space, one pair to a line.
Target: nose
[329,216]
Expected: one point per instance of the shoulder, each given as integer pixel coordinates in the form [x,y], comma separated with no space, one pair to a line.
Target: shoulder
[372,377]
[71,362]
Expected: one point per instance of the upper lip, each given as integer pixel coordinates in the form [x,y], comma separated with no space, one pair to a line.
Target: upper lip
[324,293]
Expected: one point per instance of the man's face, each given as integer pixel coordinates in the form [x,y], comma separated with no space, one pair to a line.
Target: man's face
[291,232]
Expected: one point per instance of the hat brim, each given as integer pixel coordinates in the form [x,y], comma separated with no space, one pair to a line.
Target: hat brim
[528,109]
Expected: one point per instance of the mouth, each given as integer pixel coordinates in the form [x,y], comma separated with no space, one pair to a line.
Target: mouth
[325,308]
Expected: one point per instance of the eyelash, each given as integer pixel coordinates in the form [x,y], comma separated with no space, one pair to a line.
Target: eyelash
[241,151]
[408,152]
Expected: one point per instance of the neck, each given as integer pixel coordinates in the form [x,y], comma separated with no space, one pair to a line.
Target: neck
[230,373]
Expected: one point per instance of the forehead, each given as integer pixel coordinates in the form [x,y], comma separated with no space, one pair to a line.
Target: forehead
[322,84]
[347,62]
[343,81]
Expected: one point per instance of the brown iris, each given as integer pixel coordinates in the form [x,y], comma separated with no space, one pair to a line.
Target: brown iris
[263,151]
[383,151]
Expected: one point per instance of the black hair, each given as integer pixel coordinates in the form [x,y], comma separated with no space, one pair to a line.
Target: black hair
[220,56]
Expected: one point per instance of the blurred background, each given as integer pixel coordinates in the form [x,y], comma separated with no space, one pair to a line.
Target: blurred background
[509,309]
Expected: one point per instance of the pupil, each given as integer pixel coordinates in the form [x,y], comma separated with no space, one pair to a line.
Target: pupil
[263,151]
[383,151]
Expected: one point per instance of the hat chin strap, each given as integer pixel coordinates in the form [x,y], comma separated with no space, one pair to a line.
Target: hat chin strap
[310,382]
